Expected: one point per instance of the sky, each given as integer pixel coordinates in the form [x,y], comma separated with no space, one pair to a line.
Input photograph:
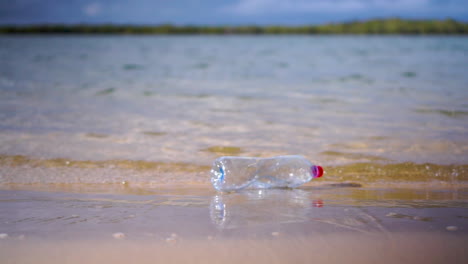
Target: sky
[224,12]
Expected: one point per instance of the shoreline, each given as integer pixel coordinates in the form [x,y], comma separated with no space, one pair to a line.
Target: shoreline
[329,223]
[22,172]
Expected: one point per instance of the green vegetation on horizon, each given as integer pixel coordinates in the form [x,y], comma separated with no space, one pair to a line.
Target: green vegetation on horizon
[376,26]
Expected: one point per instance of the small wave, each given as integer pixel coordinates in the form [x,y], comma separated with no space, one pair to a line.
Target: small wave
[406,172]
[201,65]
[106,91]
[409,74]
[130,67]
[444,112]
[149,93]
[24,170]
[154,133]
[283,64]
[356,77]
[224,150]
[96,135]
[353,156]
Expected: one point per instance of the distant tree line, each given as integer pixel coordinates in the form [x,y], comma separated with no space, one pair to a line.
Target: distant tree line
[376,26]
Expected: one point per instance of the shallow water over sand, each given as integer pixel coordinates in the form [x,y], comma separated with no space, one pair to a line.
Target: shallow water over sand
[200,212]
[336,100]
[200,225]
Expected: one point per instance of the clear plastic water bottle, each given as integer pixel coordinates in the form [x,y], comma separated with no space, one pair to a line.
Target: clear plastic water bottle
[235,173]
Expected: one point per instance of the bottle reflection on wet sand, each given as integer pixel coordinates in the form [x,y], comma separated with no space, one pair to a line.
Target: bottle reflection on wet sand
[261,207]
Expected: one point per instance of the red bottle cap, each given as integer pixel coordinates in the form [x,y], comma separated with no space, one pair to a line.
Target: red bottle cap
[317,171]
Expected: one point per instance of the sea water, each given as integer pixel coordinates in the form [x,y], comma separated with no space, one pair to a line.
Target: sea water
[184,100]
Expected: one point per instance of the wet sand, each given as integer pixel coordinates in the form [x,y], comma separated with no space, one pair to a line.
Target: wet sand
[328,223]
[335,248]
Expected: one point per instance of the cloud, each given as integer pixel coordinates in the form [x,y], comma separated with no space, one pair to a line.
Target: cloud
[254,7]
[92,9]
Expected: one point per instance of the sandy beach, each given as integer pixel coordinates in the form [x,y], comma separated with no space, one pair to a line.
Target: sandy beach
[192,223]
[334,248]
[107,141]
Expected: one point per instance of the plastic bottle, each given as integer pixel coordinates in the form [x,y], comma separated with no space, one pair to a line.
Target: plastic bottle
[235,173]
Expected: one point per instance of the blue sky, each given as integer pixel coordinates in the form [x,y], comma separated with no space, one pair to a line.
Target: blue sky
[224,12]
